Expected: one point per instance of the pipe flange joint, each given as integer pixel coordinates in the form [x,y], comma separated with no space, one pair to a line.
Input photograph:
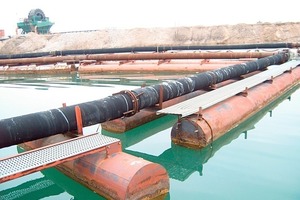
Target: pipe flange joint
[134,100]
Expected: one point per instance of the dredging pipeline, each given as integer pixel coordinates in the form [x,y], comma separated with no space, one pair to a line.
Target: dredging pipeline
[198,132]
[152,49]
[33,126]
[132,56]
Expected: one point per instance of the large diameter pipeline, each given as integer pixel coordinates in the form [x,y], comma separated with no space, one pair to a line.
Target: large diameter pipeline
[151,49]
[33,126]
[132,56]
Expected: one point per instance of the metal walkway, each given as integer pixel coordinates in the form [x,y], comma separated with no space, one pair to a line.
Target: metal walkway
[208,99]
[48,156]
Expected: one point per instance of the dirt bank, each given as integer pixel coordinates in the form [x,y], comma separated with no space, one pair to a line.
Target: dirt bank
[196,35]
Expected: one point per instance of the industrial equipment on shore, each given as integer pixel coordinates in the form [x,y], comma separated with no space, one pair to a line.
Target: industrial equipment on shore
[36,22]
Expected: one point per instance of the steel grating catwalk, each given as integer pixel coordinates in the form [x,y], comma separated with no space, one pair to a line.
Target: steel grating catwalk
[46,155]
[208,99]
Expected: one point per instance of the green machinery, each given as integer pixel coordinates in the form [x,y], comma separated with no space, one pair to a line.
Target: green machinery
[36,22]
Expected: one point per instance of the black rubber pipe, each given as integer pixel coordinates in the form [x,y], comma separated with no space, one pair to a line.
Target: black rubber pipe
[151,49]
[33,126]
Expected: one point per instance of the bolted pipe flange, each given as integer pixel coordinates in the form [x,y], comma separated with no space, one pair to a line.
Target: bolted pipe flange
[134,100]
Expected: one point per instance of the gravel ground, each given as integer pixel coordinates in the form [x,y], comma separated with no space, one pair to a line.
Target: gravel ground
[196,35]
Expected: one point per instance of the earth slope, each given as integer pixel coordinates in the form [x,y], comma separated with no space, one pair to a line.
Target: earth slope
[196,35]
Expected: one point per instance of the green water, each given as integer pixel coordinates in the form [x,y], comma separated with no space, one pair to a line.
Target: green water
[257,160]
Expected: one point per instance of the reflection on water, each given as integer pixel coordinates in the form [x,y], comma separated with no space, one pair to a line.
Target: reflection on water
[132,79]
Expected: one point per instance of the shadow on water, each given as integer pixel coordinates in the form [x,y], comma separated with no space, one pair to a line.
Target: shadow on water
[32,190]
[181,162]
[140,133]
[76,190]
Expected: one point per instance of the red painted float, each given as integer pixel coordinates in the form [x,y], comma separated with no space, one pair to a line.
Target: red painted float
[216,120]
[112,173]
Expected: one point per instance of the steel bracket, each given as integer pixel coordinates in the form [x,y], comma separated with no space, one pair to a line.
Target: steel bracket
[200,114]
[79,120]
[78,117]
[270,80]
[135,102]
[245,92]
[204,61]
[163,61]
[113,148]
[87,62]
[213,87]
[290,70]
[126,61]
